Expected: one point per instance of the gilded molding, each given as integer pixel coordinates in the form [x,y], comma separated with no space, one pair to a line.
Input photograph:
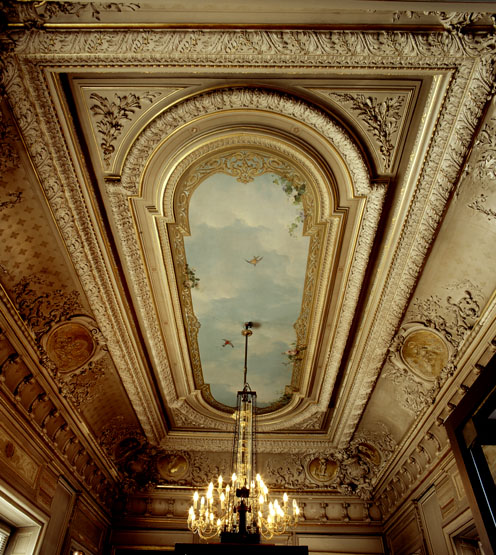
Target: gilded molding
[239,99]
[76,227]
[469,92]
[472,79]
[213,102]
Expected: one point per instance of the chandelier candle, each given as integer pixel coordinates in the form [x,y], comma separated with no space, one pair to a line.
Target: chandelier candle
[242,511]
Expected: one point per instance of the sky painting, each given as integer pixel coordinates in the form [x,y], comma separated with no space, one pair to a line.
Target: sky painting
[231,224]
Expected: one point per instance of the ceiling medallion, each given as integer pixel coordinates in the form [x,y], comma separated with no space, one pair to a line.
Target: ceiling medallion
[425,353]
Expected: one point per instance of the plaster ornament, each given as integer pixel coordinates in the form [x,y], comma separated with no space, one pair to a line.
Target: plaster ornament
[36,14]
[322,469]
[119,437]
[484,167]
[479,204]
[70,345]
[425,353]
[382,118]
[9,157]
[172,467]
[81,388]
[466,95]
[239,99]
[41,307]
[456,315]
[113,115]
[417,364]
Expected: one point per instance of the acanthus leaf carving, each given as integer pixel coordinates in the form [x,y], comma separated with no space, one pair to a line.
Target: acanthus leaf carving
[111,114]
[382,118]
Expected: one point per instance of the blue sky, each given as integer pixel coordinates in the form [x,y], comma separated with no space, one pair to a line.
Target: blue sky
[232,222]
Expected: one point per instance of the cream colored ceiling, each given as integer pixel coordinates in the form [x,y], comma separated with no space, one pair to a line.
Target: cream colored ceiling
[108,125]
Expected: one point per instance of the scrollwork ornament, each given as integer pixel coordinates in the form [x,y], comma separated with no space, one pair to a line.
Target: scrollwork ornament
[116,431]
[479,204]
[73,344]
[456,315]
[81,388]
[9,157]
[41,307]
[418,364]
[456,22]
[34,14]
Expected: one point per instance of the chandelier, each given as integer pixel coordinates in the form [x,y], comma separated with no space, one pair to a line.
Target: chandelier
[241,510]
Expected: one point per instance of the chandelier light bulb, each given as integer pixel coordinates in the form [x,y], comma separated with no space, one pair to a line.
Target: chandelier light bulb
[242,510]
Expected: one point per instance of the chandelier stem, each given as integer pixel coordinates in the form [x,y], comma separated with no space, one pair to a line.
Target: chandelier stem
[241,511]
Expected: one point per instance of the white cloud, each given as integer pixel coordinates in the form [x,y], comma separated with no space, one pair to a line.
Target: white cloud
[230,223]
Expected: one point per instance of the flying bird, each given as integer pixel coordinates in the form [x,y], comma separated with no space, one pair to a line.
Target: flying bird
[255,260]
[227,342]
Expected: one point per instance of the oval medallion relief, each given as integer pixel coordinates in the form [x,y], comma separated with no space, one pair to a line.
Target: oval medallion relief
[70,346]
[425,353]
[322,469]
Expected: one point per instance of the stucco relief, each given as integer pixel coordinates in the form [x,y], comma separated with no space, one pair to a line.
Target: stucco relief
[41,307]
[418,232]
[35,14]
[423,354]
[482,171]
[351,471]
[421,351]
[291,48]
[481,205]
[70,344]
[282,104]
[114,115]
[382,117]
[9,157]
[455,315]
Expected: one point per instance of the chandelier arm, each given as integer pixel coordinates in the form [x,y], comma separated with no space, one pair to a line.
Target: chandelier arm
[241,511]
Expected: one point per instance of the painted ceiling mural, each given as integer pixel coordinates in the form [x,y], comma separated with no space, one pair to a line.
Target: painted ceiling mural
[246,259]
[251,266]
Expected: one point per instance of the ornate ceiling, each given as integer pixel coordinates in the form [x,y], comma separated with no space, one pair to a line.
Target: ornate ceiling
[125,141]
